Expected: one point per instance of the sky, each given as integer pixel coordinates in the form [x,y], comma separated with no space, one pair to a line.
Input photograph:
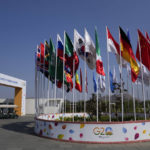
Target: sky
[24,24]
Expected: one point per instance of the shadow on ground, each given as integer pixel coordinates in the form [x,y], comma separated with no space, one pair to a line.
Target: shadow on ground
[26,127]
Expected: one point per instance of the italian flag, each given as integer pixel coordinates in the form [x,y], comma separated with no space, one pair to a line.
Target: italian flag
[99,63]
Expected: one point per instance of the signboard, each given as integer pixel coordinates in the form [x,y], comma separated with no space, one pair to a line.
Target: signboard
[116,132]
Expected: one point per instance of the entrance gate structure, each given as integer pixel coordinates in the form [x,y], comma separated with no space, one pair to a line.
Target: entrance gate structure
[20,91]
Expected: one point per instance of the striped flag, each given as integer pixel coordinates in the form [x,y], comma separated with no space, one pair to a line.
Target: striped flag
[99,62]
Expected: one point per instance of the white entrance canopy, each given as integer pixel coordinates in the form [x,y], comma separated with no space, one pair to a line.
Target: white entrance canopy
[20,91]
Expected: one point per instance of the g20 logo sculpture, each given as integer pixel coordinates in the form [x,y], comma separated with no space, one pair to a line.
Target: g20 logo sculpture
[103,131]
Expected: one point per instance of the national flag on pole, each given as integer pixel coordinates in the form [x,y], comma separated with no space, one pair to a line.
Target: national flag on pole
[90,49]
[146,76]
[113,46]
[81,78]
[60,47]
[52,62]
[42,54]
[68,81]
[38,55]
[38,59]
[101,82]
[77,82]
[112,86]
[70,55]
[60,50]
[68,46]
[128,55]
[94,83]
[99,63]
[145,50]
[47,55]
[79,44]
[132,72]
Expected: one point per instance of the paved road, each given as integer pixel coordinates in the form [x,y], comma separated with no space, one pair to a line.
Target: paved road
[18,134]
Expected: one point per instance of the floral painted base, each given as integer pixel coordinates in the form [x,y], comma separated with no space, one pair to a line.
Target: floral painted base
[92,132]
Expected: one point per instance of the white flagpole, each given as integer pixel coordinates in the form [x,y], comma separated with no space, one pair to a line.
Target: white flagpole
[63,74]
[65,103]
[134,110]
[85,86]
[73,79]
[85,82]
[48,88]
[97,109]
[147,99]
[41,91]
[41,80]
[97,98]
[38,90]
[108,77]
[36,83]
[143,89]
[48,95]
[105,103]
[122,107]
[44,81]
[75,101]
[56,67]
[138,94]
[128,87]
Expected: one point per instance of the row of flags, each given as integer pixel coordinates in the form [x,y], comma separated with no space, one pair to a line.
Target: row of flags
[57,63]
[126,52]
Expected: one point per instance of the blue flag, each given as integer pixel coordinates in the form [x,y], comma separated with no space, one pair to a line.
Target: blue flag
[112,86]
[94,82]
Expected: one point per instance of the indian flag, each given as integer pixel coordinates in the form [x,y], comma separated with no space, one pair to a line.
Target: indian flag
[99,63]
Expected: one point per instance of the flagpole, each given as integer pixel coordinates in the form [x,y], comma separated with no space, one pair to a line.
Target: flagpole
[108,77]
[42,85]
[138,94]
[128,87]
[80,101]
[56,73]
[147,99]
[48,81]
[85,80]
[41,77]
[56,68]
[105,103]
[134,110]
[97,98]
[122,108]
[97,109]
[36,82]
[39,90]
[38,87]
[143,90]
[44,82]
[85,88]
[73,79]
[63,75]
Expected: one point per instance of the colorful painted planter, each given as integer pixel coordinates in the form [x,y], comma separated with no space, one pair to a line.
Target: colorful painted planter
[92,132]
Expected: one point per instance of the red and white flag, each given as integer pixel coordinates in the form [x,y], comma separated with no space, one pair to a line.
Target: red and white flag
[113,46]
